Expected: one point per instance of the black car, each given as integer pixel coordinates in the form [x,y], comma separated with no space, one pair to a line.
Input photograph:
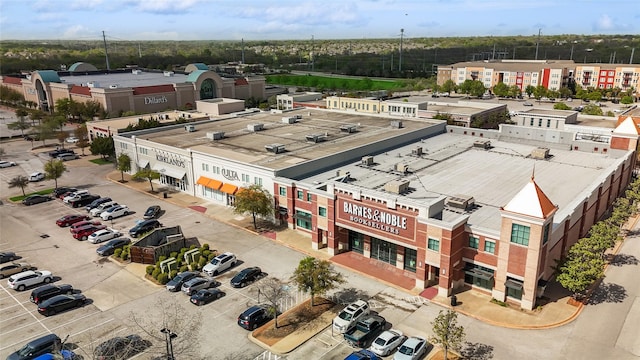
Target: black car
[95,203]
[37,347]
[175,284]
[54,154]
[152,212]
[7,256]
[253,317]
[36,199]
[60,303]
[120,348]
[45,292]
[83,200]
[246,276]
[205,296]
[110,247]
[144,227]
[61,190]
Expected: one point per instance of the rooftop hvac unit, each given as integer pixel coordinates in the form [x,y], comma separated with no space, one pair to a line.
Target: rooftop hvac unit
[417,151]
[343,173]
[396,124]
[275,148]
[484,144]
[397,186]
[367,160]
[255,127]
[289,119]
[113,86]
[215,135]
[190,128]
[540,153]
[461,201]
[93,84]
[402,168]
[316,137]
[168,73]
[136,72]
[349,128]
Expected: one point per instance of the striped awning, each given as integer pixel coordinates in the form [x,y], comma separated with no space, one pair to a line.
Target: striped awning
[210,183]
[229,189]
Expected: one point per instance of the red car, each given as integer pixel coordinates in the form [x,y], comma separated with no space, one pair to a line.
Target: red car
[69,220]
[83,223]
[64,194]
[83,233]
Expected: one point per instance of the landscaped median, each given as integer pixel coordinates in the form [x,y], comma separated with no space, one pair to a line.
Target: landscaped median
[296,326]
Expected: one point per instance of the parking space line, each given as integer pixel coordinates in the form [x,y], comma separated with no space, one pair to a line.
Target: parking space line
[25,309]
[21,341]
[77,319]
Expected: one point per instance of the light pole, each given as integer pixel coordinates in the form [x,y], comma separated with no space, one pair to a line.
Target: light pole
[169,336]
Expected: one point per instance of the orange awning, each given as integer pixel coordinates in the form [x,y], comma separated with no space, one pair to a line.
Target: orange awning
[229,189]
[203,181]
[210,183]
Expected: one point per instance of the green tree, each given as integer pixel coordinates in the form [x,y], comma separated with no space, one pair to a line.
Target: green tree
[565,92]
[316,277]
[147,174]
[2,152]
[561,106]
[592,109]
[514,91]
[53,170]
[539,92]
[529,90]
[473,88]
[274,291]
[83,137]
[626,100]
[19,181]
[124,165]
[446,331]
[501,89]
[102,146]
[44,131]
[254,200]
[448,86]
[582,267]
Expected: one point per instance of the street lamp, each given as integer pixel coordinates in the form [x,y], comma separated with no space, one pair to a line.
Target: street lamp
[168,336]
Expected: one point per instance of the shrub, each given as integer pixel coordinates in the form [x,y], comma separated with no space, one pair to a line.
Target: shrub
[150,269]
[205,253]
[173,254]
[163,278]
[162,258]
[202,262]
[194,266]
[192,247]
[205,247]
[124,255]
[173,273]
[155,273]
[211,256]
[117,253]
[183,268]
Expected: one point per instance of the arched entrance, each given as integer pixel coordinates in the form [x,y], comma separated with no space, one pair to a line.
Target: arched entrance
[207,89]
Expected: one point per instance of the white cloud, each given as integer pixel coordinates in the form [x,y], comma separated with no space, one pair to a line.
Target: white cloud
[86,4]
[75,32]
[604,23]
[168,35]
[164,6]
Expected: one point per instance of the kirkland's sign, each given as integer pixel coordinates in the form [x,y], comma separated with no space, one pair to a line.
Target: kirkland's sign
[387,221]
[155,100]
[170,160]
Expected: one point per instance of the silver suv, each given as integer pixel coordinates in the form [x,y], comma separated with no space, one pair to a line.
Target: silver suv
[220,263]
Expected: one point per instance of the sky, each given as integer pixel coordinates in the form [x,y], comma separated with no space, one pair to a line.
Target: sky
[302,19]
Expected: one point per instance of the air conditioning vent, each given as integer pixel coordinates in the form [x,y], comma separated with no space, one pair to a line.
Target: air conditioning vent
[255,127]
[397,186]
[215,135]
[396,124]
[417,151]
[483,144]
[540,153]
[402,168]
[461,202]
[289,119]
[190,128]
[275,148]
[367,161]
[349,128]
[317,137]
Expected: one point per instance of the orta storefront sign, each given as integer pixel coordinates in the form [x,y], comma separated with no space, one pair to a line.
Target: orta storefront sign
[170,160]
[378,219]
[155,100]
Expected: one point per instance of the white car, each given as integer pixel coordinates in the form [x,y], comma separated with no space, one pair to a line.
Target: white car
[349,316]
[96,211]
[103,235]
[413,348]
[29,278]
[36,176]
[220,263]
[386,342]
[4,164]
[74,195]
[72,139]
[114,212]
[67,156]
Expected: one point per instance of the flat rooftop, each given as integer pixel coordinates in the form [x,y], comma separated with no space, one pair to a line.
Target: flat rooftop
[125,80]
[541,111]
[451,166]
[244,145]
[163,117]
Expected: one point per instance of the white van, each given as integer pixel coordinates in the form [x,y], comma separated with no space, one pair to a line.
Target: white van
[95,212]
[74,195]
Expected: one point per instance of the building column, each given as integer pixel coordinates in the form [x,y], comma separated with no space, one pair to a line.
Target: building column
[400,257]
[316,239]
[421,270]
[367,246]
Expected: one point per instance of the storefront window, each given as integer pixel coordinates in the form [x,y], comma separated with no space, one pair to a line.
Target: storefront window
[384,251]
[356,242]
[479,276]
[303,219]
[514,288]
[410,257]
[176,183]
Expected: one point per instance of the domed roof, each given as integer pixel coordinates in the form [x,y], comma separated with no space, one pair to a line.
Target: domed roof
[82,66]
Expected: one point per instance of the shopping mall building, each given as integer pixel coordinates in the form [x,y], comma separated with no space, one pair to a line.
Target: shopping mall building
[450,206]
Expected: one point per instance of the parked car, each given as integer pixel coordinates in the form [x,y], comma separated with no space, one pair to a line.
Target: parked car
[36,176]
[152,212]
[412,348]
[95,203]
[7,256]
[220,263]
[83,224]
[144,227]
[25,279]
[175,284]
[44,292]
[14,268]
[115,212]
[362,355]
[73,195]
[366,329]
[83,200]
[103,235]
[4,164]
[67,156]
[349,316]
[192,286]
[205,296]
[113,244]
[95,212]
[66,355]
[36,199]
[71,219]
[84,232]
[60,303]
[37,347]
[386,342]
[253,317]
[55,153]
[72,140]
[526,103]
[63,189]
[246,276]
[120,348]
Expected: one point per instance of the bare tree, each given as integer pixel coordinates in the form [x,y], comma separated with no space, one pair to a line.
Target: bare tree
[273,290]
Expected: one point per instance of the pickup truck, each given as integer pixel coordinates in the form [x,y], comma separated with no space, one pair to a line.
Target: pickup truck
[83,200]
[366,329]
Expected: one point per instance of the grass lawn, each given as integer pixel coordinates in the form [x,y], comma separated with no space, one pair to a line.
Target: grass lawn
[100,161]
[41,192]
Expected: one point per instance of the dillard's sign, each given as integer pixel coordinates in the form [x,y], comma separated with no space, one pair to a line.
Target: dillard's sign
[155,100]
[170,160]
[375,218]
